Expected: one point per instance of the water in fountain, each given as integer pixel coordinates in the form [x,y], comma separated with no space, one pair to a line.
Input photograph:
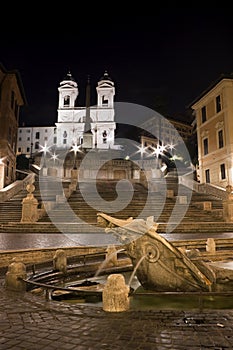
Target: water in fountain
[135,270]
[110,258]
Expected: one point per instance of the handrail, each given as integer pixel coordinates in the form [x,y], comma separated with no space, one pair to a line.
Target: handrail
[11,190]
[206,188]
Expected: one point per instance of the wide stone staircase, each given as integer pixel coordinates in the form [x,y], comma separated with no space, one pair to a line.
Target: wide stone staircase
[178,213]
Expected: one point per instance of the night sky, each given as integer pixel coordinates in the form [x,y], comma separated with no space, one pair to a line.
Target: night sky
[162,61]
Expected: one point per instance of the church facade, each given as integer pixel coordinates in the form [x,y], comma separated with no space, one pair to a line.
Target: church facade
[73,122]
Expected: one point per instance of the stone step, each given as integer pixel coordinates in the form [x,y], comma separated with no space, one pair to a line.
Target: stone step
[45,227]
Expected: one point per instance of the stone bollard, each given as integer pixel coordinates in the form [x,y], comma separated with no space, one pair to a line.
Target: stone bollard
[115,294]
[15,271]
[170,194]
[228,204]
[60,261]
[111,257]
[210,245]
[29,206]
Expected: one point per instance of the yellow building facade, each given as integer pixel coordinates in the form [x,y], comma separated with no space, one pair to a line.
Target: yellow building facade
[213,111]
[12,98]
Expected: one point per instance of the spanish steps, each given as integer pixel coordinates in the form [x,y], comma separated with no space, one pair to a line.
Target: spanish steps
[78,213]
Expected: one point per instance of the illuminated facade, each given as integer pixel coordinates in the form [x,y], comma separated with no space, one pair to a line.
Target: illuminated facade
[169,131]
[12,98]
[72,121]
[214,124]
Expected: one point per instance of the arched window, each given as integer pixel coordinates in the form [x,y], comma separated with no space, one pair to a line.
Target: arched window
[104,136]
[66,101]
[104,101]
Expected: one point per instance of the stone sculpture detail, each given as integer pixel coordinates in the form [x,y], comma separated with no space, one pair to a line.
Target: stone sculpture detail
[163,266]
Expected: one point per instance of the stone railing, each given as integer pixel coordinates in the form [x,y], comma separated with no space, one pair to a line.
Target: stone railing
[214,190]
[11,190]
[206,188]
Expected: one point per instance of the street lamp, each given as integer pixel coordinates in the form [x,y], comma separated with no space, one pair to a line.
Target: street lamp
[54,157]
[157,152]
[31,150]
[45,150]
[75,148]
[142,151]
[2,173]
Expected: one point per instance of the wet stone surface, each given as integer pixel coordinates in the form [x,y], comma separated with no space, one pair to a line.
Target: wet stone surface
[30,322]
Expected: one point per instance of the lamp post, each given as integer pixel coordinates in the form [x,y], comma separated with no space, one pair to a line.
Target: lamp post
[2,173]
[142,151]
[75,148]
[157,152]
[74,172]
[31,148]
[45,150]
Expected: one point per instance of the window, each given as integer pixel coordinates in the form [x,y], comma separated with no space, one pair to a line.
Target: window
[28,149]
[37,145]
[55,139]
[19,149]
[104,136]
[207,176]
[28,138]
[104,101]
[205,144]
[220,139]
[223,171]
[37,135]
[203,114]
[66,101]
[218,104]
[20,138]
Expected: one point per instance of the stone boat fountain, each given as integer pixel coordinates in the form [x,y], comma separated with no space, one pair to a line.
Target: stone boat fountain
[161,266]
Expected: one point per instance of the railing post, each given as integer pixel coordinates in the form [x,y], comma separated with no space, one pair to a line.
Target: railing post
[47,294]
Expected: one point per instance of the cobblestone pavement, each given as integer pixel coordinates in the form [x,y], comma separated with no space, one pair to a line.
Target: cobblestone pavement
[31,322]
